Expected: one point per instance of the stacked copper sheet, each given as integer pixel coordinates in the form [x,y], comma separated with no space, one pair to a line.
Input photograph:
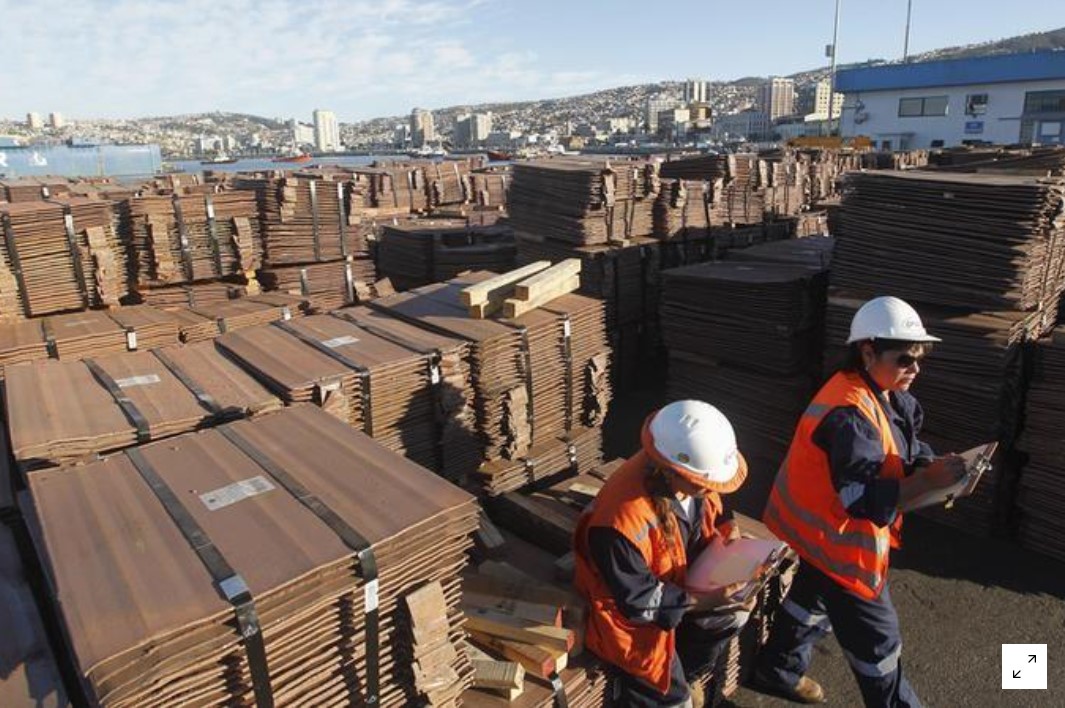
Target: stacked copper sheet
[786,187]
[765,316]
[32,189]
[399,398]
[983,242]
[29,675]
[63,254]
[1035,161]
[146,327]
[22,341]
[304,218]
[583,201]
[325,286]
[83,334]
[1042,481]
[537,377]
[62,412]
[195,294]
[682,209]
[185,238]
[282,580]
[563,457]
[490,187]
[397,186]
[745,336]
[812,223]
[449,182]
[452,389]
[419,252]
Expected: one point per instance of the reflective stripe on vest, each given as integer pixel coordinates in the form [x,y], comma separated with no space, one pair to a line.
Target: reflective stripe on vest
[847,570]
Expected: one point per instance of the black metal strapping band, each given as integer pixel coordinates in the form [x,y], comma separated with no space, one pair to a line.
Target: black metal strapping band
[205,399]
[305,284]
[190,295]
[348,535]
[183,238]
[526,357]
[49,338]
[128,407]
[364,373]
[212,235]
[314,220]
[559,689]
[75,251]
[342,219]
[16,262]
[230,583]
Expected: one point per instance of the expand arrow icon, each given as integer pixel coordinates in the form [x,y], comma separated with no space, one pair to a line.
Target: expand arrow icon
[1017,674]
[1031,658]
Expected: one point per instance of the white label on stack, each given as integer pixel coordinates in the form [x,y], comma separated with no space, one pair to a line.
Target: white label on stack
[371,595]
[131,340]
[132,381]
[233,493]
[340,341]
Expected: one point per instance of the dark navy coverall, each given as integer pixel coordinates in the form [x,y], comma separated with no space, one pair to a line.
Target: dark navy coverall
[867,630]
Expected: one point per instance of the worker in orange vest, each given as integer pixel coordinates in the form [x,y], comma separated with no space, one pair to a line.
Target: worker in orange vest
[853,465]
[633,547]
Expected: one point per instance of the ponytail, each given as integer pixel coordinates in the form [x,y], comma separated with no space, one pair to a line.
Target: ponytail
[661,492]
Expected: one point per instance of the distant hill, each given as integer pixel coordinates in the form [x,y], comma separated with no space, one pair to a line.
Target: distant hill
[725,96]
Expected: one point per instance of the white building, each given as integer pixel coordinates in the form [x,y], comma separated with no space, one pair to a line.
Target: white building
[326,131]
[1013,98]
[695,91]
[56,120]
[655,106]
[472,128]
[821,94]
[422,127]
[33,121]
[776,97]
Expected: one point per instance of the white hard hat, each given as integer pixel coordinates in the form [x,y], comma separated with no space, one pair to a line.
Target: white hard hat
[888,318]
[696,440]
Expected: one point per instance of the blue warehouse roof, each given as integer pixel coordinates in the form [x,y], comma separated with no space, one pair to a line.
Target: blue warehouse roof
[1033,66]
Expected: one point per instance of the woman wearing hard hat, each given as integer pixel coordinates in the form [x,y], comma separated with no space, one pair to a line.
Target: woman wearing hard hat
[633,548]
[854,463]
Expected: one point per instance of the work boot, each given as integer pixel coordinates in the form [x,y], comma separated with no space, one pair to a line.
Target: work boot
[805,691]
[698,695]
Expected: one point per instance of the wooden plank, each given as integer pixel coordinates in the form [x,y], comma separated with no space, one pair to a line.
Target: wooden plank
[546,280]
[536,660]
[540,613]
[504,626]
[491,673]
[490,542]
[494,287]
[516,308]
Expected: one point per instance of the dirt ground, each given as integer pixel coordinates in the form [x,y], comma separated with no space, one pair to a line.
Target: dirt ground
[959,598]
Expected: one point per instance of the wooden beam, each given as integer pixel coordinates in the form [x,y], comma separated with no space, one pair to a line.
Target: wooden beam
[517,629]
[536,660]
[546,280]
[516,308]
[498,286]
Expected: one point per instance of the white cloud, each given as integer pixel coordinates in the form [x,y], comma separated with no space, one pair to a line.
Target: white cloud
[361,58]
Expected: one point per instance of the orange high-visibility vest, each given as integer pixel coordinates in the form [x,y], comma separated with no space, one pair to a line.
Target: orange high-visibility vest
[805,510]
[643,650]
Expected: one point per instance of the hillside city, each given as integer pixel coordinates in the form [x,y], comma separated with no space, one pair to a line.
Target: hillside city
[691,112]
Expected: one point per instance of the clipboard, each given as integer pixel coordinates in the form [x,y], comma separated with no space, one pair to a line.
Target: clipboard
[977,461]
[745,560]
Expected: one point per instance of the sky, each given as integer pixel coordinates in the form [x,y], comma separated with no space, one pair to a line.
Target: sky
[368,58]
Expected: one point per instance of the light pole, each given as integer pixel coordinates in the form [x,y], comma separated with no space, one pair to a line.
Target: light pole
[832,72]
[906,40]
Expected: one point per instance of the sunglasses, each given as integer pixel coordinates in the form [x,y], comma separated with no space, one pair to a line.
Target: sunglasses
[905,361]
